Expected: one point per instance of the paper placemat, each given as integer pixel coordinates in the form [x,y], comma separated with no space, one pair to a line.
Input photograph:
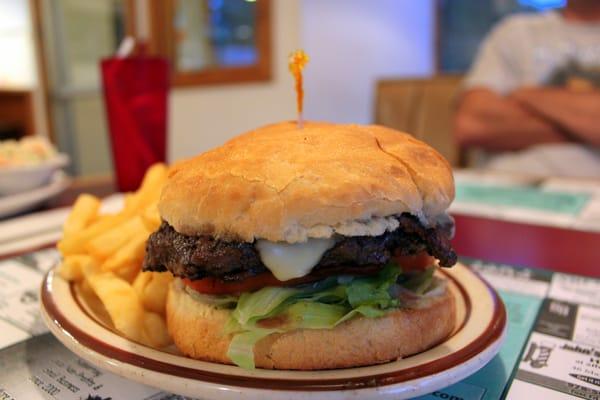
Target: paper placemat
[552,348]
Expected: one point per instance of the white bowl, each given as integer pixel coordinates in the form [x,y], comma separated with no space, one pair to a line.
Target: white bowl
[20,178]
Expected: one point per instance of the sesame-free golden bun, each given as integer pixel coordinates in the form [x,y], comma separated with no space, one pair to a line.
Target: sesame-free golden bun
[283,183]
[197,330]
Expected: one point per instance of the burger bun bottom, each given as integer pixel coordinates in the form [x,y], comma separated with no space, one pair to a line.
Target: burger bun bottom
[197,330]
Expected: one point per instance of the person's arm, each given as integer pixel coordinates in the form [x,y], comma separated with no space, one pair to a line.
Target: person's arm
[494,122]
[485,117]
[577,112]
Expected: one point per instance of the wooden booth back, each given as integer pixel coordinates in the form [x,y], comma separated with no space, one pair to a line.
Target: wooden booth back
[423,108]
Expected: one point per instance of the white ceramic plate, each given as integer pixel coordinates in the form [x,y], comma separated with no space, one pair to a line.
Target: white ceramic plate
[22,178]
[16,203]
[481,327]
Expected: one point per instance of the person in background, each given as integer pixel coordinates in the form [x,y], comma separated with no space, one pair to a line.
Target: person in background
[532,97]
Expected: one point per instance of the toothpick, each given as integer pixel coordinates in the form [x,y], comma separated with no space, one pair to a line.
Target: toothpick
[297,62]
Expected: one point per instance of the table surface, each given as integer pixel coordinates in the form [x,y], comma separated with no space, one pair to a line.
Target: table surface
[531,298]
[556,249]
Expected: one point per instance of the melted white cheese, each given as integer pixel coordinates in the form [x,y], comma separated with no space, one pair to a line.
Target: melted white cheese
[292,260]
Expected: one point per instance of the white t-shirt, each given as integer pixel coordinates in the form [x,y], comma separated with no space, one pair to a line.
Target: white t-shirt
[538,50]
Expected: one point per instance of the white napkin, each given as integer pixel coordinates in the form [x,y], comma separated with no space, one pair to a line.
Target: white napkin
[32,231]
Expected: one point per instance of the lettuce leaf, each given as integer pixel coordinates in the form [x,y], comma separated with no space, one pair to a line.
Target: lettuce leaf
[241,348]
[321,305]
[313,315]
[261,304]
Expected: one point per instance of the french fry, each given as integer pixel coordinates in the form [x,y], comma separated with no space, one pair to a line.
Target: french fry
[140,282]
[90,268]
[92,302]
[103,255]
[130,253]
[85,288]
[129,272]
[83,212]
[155,331]
[151,217]
[127,199]
[154,178]
[76,244]
[109,242]
[150,189]
[152,289]
[121,302]
[71,268]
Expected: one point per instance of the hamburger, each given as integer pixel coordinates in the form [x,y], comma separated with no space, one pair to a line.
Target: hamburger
[307,248]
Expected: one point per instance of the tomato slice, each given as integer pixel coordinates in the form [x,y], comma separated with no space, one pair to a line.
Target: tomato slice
[217,286]
[415,262]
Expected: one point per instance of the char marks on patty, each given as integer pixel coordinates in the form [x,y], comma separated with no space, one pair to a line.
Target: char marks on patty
[197,257]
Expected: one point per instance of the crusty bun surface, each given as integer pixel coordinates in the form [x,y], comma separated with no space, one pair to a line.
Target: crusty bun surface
[197,329]
[281,183]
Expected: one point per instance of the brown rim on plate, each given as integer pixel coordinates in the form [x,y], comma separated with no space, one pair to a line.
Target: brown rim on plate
[491,334]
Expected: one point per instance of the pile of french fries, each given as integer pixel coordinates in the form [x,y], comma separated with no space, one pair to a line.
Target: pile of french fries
[103,254]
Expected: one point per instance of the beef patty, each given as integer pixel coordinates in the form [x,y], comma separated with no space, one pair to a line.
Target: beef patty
[197,257]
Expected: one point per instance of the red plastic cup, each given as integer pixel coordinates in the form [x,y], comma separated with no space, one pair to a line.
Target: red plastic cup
[135,93]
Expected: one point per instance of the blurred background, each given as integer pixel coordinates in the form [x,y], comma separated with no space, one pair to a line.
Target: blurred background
[394,62]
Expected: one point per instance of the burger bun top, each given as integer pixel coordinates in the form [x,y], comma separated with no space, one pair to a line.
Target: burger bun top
[283,183]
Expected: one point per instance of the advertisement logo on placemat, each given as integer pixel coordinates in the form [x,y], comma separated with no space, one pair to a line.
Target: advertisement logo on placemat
[93,397]
[537,355]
